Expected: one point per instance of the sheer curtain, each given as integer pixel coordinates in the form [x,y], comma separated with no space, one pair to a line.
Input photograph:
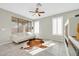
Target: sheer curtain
[57,26]
[36,27]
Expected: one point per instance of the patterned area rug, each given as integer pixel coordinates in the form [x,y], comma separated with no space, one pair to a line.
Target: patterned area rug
[36,50]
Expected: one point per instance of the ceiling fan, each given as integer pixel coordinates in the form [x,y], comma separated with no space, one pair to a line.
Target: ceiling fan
[37,10]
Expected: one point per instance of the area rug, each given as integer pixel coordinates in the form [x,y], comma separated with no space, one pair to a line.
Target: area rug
[36,50]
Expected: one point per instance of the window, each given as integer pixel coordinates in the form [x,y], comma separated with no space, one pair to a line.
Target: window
[36,27]
[57,26]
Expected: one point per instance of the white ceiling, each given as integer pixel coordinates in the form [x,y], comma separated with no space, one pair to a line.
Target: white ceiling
[49,8]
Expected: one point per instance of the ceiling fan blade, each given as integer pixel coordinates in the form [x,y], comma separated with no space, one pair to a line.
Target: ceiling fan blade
[39,14]
[37,9]
[42,12]
[32,11]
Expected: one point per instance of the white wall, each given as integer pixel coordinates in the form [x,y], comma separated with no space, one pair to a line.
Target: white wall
[46,25]
[5,22]
[45,30]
